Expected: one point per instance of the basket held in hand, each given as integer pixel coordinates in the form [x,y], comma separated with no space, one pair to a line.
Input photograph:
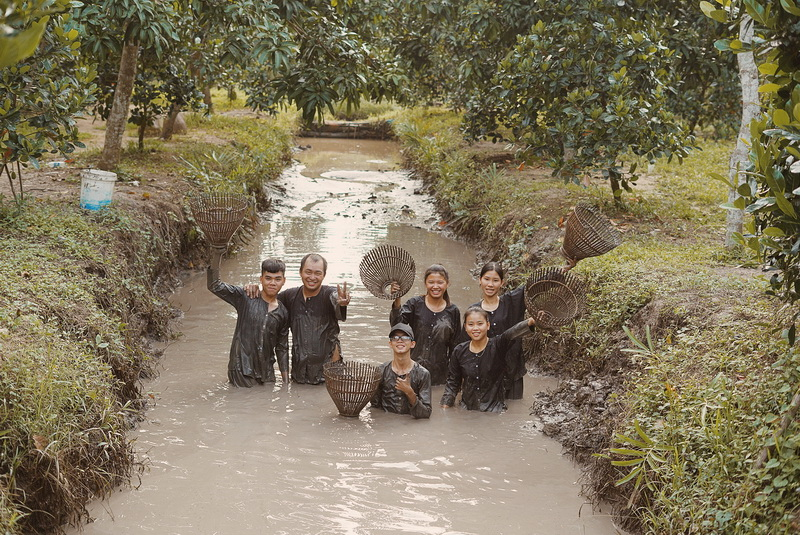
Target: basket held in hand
[561,296]
[588,233]
[351,384]
[386,264]
[219,215]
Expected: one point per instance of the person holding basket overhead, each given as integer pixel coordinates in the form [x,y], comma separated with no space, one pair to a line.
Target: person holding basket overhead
[434,320]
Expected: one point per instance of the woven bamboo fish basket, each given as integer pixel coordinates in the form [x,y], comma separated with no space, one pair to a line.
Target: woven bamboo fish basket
[561,296]
[588,233]
[386,264]
[219,215]
[351,385]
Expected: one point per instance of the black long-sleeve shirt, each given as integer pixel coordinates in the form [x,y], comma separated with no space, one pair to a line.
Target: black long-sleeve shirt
[479,376]
[434,332]
[315,330]
[260,336]
[390,399]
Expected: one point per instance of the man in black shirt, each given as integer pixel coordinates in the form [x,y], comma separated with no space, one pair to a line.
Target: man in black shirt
[315,311]
[405,386]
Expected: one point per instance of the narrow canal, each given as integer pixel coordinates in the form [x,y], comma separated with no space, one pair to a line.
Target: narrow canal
[279,459]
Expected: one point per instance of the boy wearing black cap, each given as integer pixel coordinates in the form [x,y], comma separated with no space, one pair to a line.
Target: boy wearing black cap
[405,386]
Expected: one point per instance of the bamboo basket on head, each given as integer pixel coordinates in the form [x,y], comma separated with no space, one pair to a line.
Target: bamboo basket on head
[588,233]
[384,265]
[351,385]
[561,296]
[219,215]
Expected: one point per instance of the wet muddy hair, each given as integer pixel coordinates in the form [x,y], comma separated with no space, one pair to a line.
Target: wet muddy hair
[314,257]
[438,268]
[497,267]
[273,265]
[475,309]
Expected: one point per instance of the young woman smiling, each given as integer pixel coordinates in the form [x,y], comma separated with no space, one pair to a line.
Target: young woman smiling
[435,322]
[505,309]
[478,367]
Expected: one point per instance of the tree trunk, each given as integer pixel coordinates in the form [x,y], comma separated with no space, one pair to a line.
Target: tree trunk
[118,118]
[748,77]
[207,99]
[169,122]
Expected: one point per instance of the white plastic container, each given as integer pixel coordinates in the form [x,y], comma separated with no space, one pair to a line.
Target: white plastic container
[97,188]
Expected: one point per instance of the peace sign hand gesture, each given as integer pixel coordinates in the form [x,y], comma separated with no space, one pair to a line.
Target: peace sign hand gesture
[343,297]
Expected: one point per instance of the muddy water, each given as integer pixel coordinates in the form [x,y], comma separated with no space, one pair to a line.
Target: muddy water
[279,459]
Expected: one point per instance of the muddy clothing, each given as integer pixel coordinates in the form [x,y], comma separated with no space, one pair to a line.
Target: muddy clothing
[260,337]
[434,332]
[390,399]
[315,330]
[508,313]
[480,376]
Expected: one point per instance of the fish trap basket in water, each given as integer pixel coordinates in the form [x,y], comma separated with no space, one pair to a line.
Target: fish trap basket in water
[219,215]
[386,264]
[561,296]
[351,385]
[588,233]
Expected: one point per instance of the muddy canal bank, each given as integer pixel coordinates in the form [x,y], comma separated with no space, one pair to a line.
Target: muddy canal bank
[279,458]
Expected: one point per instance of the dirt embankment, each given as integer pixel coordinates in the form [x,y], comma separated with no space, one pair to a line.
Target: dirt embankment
[84,296]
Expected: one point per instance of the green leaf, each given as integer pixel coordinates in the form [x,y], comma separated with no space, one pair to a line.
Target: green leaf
[724,180]
[769,88]
[796,111]
[627,451]
[633,473]
[768,68]
[781,118]
[791,7]
[14,48]
[629,462]
[785,206]
[775,232]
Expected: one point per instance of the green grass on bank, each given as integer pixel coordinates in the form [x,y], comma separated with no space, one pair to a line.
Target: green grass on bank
[79,292]
[698,406]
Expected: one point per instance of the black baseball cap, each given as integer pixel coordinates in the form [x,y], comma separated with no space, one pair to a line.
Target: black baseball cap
[403,328]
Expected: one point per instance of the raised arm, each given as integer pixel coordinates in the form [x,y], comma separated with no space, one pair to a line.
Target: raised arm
[230,294]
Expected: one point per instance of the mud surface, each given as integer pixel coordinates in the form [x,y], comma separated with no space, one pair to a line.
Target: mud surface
[279,458]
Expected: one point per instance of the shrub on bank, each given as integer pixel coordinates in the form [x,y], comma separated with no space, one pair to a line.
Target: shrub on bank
[686,416]
[77,292]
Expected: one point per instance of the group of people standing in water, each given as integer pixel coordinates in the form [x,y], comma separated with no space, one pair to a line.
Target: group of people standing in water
[479,356]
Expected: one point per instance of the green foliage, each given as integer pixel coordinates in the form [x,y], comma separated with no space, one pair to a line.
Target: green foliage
[772,190]
[710,429]
[259,152]
[21,29]
[586,111]
[40,98]
[77,292]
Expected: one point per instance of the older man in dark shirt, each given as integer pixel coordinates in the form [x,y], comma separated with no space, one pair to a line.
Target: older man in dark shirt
[315,311]
[405,386]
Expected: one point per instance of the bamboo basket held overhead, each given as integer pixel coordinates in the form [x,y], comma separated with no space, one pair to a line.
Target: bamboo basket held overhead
[219,215]
[561,296]
[351,385]
[588,233]
[386,264]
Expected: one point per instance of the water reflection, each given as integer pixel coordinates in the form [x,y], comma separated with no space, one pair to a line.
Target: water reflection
[281,460]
